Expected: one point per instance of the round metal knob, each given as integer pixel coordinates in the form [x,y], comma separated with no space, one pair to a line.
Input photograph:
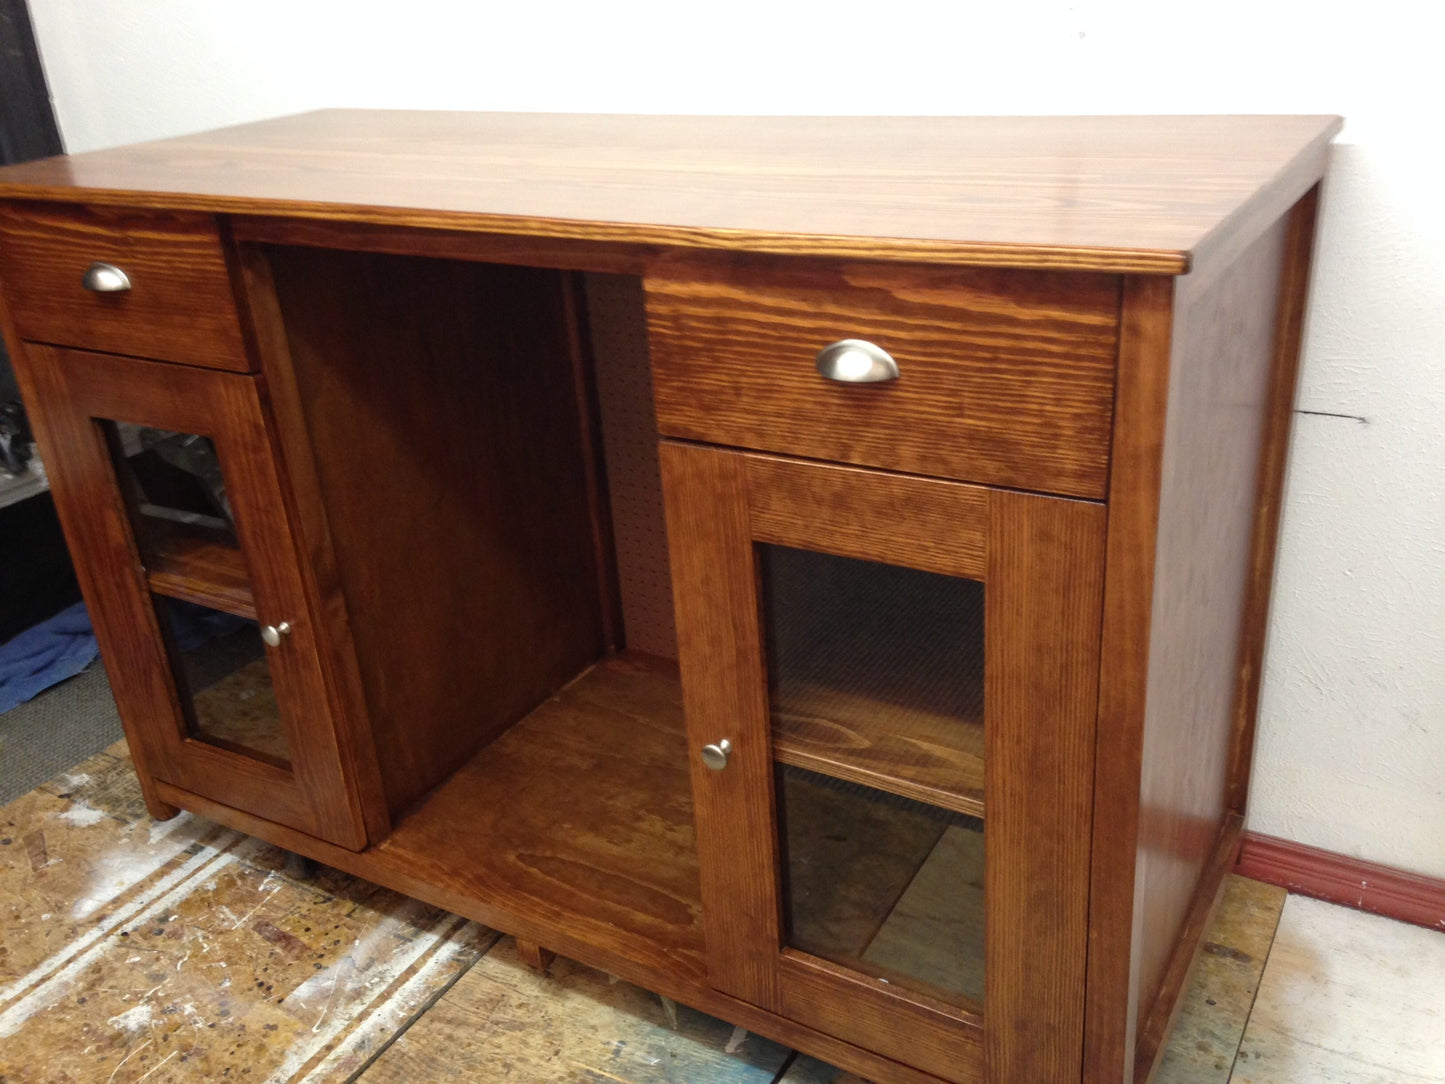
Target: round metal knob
[105,278]
[272,634]
[716,756]
[856,361]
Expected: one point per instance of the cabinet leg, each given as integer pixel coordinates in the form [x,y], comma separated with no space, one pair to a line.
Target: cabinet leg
[299,867]
[534,955]
[159,810]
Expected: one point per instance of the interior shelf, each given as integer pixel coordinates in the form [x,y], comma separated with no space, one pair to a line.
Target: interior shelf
[900,749]
[581,813]
[875,675]
[199,569]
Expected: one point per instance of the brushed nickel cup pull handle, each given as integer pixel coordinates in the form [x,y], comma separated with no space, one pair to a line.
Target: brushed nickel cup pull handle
[272,634]
[105,278]
[716,756]
[856,361]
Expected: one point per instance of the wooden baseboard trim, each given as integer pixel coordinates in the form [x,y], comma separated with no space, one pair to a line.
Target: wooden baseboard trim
[1350,882]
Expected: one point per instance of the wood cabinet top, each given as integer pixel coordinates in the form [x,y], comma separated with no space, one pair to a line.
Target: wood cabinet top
[1122,194]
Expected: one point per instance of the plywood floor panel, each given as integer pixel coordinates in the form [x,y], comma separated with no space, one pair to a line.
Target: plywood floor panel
[1347,998]
[183,952]
[507,1024]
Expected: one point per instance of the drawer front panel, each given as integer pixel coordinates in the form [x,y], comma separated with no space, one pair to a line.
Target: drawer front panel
[1005,377]
[179,306]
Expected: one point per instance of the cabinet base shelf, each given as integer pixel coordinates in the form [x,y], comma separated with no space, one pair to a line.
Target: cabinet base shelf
[617,890]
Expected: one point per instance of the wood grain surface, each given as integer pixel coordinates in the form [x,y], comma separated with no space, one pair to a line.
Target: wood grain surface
[1198,369]
[315,795]
[1145,194]
[1223,355]
[180,306]
[926,524]
[199,570]
[720,651]
[1278,423]
[441,415]
[933,758]
[937,1038]
[1006,378]
[1199,915]
[1043,597]
[1135,474]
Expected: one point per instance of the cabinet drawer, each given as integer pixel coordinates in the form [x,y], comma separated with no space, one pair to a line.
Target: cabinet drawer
[178,307]
[1005,377]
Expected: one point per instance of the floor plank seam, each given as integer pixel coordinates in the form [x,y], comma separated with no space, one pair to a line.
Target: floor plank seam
[420,1011]
[785,1067]
[1254,996]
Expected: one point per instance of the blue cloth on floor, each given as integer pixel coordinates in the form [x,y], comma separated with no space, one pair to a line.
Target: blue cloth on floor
[45,655]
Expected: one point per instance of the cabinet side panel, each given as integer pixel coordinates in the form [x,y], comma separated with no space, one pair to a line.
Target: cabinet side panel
[1219,389]
[1289,334]
[441,405]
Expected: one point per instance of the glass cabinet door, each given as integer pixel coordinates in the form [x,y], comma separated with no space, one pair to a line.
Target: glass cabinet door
[894,758]
[171,493]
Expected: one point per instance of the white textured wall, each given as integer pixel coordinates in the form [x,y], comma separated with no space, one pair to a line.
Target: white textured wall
[1352,740]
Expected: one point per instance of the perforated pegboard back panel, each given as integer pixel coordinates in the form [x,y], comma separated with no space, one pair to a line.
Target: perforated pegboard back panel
[629,436]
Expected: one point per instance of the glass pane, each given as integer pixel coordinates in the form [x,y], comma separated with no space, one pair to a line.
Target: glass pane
[875,673]
[181,516]
[173,482]
[223,679]
[883,885]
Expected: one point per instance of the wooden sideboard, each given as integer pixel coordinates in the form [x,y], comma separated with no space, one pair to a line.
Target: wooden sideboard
[907,721]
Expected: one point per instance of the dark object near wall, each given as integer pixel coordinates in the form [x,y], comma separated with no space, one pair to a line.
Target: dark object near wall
[27,123]
[36,577]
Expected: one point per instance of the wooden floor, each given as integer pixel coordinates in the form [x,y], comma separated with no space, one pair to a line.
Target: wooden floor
[134,951]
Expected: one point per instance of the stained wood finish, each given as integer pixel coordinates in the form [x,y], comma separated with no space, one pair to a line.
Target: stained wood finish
[619,890]
[933,526]
[199,570]
[1043,569]
[1135,476]
[180,306]
[934,1037]
[1278,422]
[453,244]
[375,355]
[315,795]
[306,511]
[578,817]
[534,955]
[1043,598]
[1006,378]
[719,643]
[1118,194]
[1223,352]
[33,387]
[440,406]
[929,758]
[1208,892]
[1197,373]
[1350,882]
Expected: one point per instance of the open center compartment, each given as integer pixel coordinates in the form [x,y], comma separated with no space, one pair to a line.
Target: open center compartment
[483,437]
